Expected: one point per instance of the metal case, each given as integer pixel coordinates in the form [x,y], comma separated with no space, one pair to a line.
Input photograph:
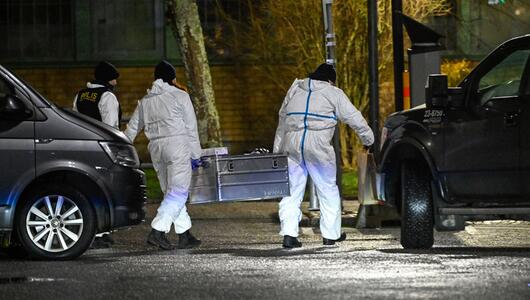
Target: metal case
[240,178]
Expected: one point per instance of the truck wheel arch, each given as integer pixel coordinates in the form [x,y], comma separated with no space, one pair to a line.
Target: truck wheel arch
[405,149]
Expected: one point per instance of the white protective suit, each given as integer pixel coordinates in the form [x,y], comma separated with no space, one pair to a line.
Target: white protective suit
[308,117]
[108,106]
[168,119]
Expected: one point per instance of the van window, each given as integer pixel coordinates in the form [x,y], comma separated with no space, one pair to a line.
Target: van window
[504,79]
[5,88]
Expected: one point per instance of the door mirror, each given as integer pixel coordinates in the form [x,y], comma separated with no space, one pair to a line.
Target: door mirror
[503,105]
[12,107]
[436,91]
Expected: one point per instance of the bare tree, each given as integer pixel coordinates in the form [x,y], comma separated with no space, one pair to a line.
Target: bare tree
[289,33]
[183,18]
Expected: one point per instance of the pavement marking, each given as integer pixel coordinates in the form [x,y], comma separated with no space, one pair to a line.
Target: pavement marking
[24,279]
[471,230]
[307,231]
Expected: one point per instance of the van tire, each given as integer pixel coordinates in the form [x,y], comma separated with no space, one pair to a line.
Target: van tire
[70,234]
[416,207]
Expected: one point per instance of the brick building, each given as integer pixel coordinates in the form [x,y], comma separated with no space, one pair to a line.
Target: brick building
[54,44]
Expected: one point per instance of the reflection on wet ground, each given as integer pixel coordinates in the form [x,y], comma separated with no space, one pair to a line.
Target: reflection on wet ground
[244,259]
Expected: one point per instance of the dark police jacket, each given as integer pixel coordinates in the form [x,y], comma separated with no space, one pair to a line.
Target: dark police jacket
[87,102]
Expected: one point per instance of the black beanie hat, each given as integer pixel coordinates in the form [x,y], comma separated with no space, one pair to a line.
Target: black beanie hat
[324,72]
[105,72]
[165,71]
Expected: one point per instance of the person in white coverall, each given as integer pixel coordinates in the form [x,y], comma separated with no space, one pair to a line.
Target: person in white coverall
[98,100]
[166,114]
[307,121]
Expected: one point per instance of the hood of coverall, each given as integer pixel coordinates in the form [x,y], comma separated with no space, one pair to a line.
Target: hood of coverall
[160,87]
[316,85]
[159,110]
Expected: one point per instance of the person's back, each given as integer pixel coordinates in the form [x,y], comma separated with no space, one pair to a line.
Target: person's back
[163,111]
[315,106]
[307,121]
[167,117]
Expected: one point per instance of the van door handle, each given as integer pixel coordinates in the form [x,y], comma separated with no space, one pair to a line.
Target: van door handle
[43,141]
[511,119]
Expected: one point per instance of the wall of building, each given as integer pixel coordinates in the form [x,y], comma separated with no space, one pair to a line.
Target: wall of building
[247,104]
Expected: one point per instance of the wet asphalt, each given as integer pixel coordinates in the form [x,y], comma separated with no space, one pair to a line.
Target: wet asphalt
[241,258]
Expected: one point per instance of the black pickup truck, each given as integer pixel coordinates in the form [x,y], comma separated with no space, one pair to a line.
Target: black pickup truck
[464,154]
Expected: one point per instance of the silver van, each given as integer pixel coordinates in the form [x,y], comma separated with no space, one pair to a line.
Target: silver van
[64,177]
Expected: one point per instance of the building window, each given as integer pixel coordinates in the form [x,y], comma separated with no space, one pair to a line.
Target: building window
[123,31]
[218,35]
[127,30]
[36,30]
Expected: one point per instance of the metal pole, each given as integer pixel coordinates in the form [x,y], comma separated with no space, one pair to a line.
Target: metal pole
[331,59]
[397,43]
[314,204]
[373,72]
[329,35]
[329,42]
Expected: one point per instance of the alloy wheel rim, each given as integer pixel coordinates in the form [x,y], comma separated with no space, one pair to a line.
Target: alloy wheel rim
[54,223]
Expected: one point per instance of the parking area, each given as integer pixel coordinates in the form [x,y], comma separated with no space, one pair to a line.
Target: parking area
[241,257]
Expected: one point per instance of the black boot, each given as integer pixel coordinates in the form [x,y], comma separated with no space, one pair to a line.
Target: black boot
[159,238]
[291,242]
[102,242]
[329,242]
[187,240]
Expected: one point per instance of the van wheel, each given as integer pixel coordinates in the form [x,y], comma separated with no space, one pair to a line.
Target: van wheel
[416,207]
[56,222]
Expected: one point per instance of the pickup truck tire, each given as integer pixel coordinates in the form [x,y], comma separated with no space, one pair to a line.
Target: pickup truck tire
[416,207]
[55,222]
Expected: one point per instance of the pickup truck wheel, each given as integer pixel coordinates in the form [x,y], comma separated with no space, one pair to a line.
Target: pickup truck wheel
[56,222]
[416,207]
